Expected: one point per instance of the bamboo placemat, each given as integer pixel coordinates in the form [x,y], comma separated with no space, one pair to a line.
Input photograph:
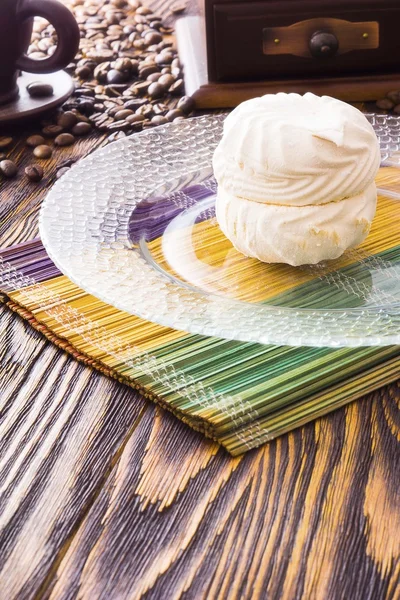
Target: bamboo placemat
[240,394]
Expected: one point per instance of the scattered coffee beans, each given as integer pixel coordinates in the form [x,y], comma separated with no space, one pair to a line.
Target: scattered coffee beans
[390,103]
[127,73]
[385,104]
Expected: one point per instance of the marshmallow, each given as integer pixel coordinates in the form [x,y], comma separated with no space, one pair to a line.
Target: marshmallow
[296,235]
[304,168]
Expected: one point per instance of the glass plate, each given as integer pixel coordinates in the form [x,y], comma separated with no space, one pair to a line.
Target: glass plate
[134,225]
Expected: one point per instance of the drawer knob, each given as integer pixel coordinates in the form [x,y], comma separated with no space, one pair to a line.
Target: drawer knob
[323,44]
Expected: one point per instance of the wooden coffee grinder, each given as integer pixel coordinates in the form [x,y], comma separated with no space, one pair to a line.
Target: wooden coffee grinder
[238,49]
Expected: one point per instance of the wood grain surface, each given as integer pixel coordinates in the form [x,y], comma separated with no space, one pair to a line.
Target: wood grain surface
[105,496]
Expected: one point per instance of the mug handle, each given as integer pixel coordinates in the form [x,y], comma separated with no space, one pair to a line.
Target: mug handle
[67,32]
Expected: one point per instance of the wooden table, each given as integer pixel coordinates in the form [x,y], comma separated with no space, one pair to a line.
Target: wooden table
[105,496]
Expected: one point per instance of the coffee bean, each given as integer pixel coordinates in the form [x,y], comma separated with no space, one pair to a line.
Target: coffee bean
[128,29]
[156,90]
[186,104]
[394,96]
[67,163]
[42,151]
[139,44]
[167,30]
[65,139]
[396,109]
[67,120]
[134,66]
[37,56]
[135,104]
[140,20]
[178,7]
[83,72]
[154,77]
[159,120]
[152,37]
[115,76]
[141,88]
[34,172]
[112,17]
[160,109]
[62,171]
[164,46]
[35,140]
[70,105]
[39,26]
[52,131]
[100,56]
[132,119]
[146,110]
[174,114]
[84,92]
[100,72]
[147,70]
[176,88]
[44,44]
[117,135]
[164,58]
[113,111]
[385,104]
[166,80]
[5,142]
[81,128]
[118,126]
[81,118]
[123,64]
[8,168]
[86,106]
[123,114]
[119,3]
[144,10]
[37,89]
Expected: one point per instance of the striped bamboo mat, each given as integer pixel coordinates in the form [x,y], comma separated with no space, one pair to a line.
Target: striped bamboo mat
[240,394]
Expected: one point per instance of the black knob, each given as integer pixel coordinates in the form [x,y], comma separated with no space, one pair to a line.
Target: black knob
[323,44]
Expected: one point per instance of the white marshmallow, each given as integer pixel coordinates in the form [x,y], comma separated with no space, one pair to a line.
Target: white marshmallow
[296,178]
[296,235]
[296,150]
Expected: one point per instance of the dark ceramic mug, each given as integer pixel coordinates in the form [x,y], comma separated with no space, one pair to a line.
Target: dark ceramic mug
[16,20]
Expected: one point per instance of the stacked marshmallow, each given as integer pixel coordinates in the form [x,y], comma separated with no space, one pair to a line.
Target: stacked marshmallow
[296,178]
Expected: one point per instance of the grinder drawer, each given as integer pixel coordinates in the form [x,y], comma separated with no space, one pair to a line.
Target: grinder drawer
[286,38]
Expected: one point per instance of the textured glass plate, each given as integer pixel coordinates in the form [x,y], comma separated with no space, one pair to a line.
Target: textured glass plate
[133,224]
